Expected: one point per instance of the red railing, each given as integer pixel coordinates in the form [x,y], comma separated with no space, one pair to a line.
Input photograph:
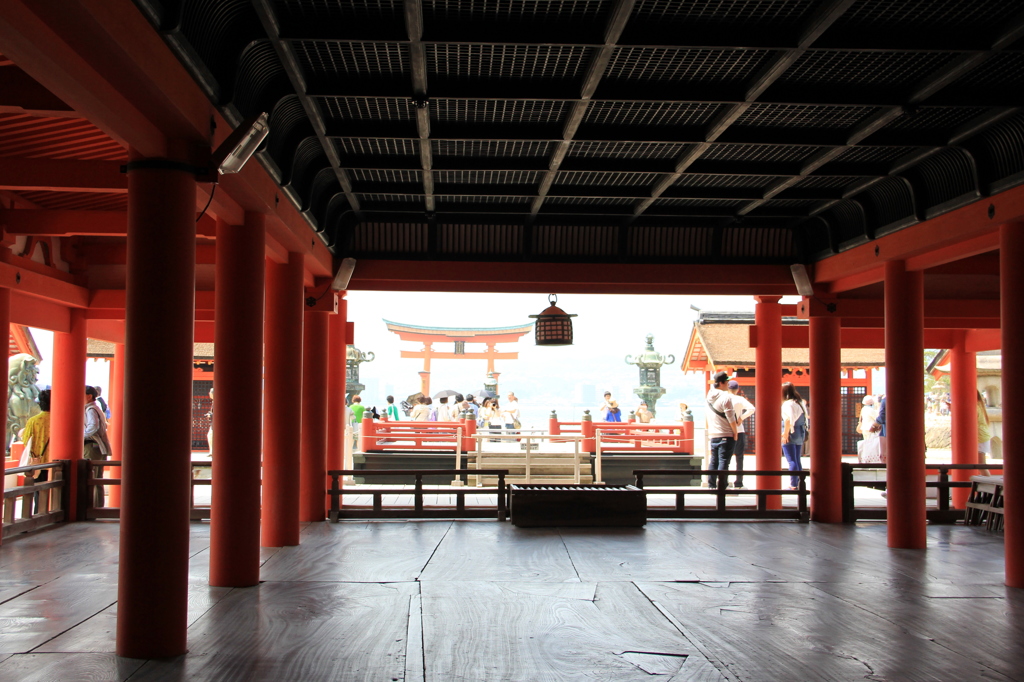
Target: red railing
[387,436]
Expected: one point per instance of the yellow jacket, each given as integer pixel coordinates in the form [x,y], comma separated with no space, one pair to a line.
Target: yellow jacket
[38,429]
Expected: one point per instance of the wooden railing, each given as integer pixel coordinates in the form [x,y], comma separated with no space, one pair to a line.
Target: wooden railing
[941,513]
[87,482]
[721,510]
[22,513]
[529,439]
[418,510]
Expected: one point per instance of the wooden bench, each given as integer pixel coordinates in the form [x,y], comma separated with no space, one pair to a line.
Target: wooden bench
[985,503]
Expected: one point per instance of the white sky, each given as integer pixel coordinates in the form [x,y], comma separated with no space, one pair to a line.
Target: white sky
[568,379]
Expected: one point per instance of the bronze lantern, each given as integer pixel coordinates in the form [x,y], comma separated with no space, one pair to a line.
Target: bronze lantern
[554,325]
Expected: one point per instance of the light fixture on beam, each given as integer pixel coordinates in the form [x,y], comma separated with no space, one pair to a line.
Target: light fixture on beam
[240,145]
[344,274]
[801,280]
[554,325]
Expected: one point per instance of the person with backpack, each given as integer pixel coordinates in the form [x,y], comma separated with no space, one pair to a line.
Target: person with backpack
[722,429]
[794,429]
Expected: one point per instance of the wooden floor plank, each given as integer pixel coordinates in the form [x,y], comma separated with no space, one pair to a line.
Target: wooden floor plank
[361,552]
[546,631]
[793,631]
[77,667]
[39,615]
[296,631]
[989,630]
[656,552]
[487,550]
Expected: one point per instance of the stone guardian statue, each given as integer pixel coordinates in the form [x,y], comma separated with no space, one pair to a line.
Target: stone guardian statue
[22,394]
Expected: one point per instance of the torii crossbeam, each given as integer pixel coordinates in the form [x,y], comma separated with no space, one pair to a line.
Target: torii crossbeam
[459,336]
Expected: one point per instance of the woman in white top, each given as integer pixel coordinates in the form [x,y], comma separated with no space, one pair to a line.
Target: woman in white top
[794,429]
[868,452]
[490,413]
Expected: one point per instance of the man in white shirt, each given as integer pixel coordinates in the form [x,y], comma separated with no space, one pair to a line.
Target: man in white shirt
[512,413]
[743,409]
[721,427]
[96,445]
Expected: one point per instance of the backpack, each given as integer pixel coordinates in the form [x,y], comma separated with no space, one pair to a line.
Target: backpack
[801,429]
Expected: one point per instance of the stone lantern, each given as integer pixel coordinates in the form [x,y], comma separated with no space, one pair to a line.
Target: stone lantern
[650,362]
[354,359]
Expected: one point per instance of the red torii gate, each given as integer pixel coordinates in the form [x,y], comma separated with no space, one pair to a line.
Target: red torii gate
[428,336]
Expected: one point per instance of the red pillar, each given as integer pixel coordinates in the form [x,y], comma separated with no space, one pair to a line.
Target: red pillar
[827,434]
[768,389]
[67,400]
[152,605]
[1011,288]
[904,381]
[963,382]
[238,385]
[313,464]
[115,429]
[337,373]
[5,323]
[282,403]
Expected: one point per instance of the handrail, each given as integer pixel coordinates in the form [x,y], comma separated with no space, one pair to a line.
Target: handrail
[941,514]
[38,495]
[86,483]
[418,511]
[721,491]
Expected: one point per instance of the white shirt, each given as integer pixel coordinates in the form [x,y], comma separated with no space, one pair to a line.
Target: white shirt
[512,410]
[743,408]
[791,412]
[444,413]
[96,427]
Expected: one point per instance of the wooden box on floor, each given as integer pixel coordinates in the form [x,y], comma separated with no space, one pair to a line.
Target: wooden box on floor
[534,506]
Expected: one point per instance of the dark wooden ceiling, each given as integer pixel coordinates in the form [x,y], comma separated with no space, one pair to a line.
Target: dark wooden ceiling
[755,131]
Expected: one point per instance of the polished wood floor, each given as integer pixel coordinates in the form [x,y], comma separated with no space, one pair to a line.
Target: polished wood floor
[436,601]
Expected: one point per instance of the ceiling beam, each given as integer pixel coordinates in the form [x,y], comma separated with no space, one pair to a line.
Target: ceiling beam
[823,16]
[645,278]
[57,223]
[290,63]
[22,94]
[418,64]
[62,175]
[942,234]
[617,20]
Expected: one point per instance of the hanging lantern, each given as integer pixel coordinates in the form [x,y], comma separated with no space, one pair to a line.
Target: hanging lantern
[554,326]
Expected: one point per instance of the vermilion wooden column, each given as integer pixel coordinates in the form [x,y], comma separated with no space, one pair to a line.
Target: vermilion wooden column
[67,400]
[904,411]
[115,429]
[336,369]
[827,434]
[315,372]
[282,403]
[238,386]
[768,389]
[963,387]
[5,323]
[1011,288]
[152,604]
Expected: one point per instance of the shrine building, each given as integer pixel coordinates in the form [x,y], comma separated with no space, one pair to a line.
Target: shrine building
[721,342]
[175,172]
